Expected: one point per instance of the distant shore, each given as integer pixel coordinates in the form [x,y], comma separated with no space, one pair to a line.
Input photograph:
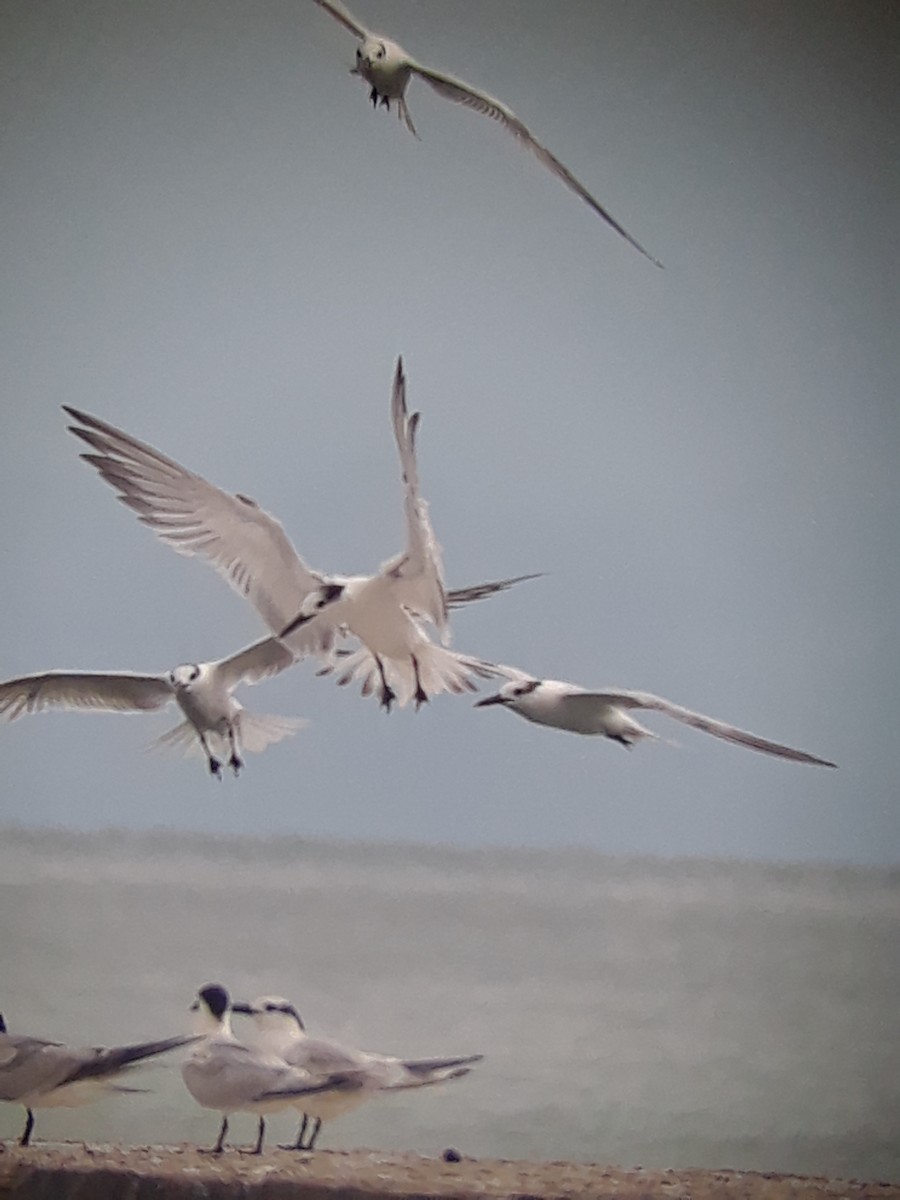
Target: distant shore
[72,1171]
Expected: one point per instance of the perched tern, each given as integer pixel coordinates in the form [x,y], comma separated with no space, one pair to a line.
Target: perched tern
[228,1076]
[604,713]
[39,1074]
[201,690]
[310,610]
[281,1031]
[387,68]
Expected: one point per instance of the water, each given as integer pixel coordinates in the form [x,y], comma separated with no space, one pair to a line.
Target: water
[662,1013]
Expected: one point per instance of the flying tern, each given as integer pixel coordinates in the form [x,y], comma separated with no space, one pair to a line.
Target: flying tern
[387,68]
[605,713]
[361,1075]
[201,690]
[228,1076]
[39,1074]
[310,610]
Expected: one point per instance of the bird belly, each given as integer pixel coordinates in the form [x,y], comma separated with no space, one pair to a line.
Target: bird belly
[388,79]
[377,619]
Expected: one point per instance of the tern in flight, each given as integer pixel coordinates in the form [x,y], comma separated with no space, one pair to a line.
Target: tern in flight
[604,713]
[311,611]
[387,69]
[213,718]
[39,1074]
[361,1074]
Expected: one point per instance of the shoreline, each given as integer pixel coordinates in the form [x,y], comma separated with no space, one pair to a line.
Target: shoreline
[74,1171]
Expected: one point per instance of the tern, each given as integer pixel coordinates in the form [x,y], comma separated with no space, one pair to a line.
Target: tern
[281,1031]
[387,68]
[228,1076]
[39,1074]
[310,610]
[605,714]
[201,690]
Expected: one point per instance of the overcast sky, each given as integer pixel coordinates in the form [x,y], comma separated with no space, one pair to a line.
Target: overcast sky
[210,239]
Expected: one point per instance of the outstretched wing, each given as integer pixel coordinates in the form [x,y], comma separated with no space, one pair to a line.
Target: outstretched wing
[419,569]
[340,13]
[481,591]
[254,663]
[244,543]
[101,692]
[729,733]
[463,93]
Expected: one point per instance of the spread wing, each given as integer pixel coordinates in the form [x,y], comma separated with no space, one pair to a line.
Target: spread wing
[340,13]
[463,93]
[31,1067]
[254,663]
[481,591]
[419,569]
[729,733]
[101,692]
[242,541]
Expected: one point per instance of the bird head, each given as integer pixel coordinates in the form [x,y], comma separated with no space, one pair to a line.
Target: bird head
[272,1014]
[313,604]
[182,677]
[211,1008]
[512,694]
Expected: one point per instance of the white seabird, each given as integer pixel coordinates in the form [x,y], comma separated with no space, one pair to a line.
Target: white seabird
[362,1075]
[228,1076]
[41,1074]
[387,68]
[201,690]
[312,611]
[605,714]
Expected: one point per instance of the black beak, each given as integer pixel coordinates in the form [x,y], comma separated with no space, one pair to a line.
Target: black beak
[243,1008]
[294,625]
[488,700]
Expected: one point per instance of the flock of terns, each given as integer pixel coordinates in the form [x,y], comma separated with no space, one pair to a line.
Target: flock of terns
[277,1066]
[372,629]
[384,616]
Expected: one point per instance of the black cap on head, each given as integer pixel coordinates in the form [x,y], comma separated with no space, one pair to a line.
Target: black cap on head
[216,998]
[2,1024]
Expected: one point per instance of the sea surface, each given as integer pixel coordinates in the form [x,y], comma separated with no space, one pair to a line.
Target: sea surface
[664,1013]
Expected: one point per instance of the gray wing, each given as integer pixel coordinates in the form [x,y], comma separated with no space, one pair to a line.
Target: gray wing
[100,692]
[244,543]
[481,591]
[31,1067]
[419,569]
[463,93]
[320,1057]
[645,700]
[340,13]
[255,663]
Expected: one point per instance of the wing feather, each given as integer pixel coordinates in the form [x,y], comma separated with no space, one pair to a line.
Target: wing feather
[340,13]
[97,691]
[419,568]
[463,93]
[244,543]
[719,729]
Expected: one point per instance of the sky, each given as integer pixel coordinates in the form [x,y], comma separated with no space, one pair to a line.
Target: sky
[210,239]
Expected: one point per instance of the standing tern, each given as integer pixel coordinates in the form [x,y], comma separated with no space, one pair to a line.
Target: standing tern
[228,1076]
[311,610]
[39,1074]
[387,68]
[604,713]
[281,1031]
[201,690]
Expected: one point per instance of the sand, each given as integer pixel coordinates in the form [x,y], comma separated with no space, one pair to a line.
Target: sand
[72,1171]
